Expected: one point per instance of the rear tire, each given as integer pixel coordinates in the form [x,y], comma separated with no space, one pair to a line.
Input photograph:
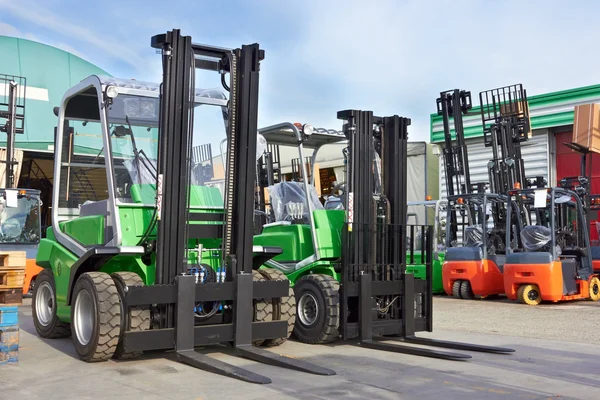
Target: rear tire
[595,289]
[43,308]
[529,294]
[96,317]
[263,308]
[466,292]
[456,286]
[284,308]
[318,309]
[137,319]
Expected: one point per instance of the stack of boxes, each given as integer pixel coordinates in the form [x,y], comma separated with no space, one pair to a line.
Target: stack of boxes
[12,276]
[586,126]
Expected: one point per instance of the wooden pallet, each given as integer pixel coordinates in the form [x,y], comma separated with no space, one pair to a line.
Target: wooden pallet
[12,279]
[12,259]
[11,297]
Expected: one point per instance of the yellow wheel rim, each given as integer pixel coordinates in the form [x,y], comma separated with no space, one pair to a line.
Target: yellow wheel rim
[530,294]
[595,289]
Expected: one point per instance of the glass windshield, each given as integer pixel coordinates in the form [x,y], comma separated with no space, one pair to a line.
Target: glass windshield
[133,129]
[19,218]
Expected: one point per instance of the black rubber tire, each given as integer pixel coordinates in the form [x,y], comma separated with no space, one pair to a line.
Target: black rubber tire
[106,321]
[263,308]
[56,328]
[465,291]
[456,289]
[137,319]
[284,308]
[325,290]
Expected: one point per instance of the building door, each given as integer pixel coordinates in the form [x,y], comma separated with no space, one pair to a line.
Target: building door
[568,163]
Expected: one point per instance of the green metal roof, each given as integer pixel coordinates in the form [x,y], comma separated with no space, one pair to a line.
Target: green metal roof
[546,111]
[49,72]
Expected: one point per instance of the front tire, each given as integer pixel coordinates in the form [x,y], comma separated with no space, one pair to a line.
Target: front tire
[318,309]
[95,317]
[284,308]
[43,308]
[263,308]
[136,319]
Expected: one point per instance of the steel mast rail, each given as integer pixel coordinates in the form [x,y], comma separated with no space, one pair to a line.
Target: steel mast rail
[378,297]
[175,292]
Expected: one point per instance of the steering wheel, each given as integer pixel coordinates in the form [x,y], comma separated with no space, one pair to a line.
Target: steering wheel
[339,187]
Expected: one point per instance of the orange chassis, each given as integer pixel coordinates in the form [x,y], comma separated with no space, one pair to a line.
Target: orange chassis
[484,276]
[31,272]
[534,283]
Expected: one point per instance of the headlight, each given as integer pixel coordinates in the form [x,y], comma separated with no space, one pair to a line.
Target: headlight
[308,129]
[112,92]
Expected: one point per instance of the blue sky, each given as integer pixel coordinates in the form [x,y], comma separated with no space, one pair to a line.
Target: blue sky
[392,57]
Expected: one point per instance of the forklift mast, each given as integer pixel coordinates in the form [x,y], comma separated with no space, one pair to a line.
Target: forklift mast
[505,122]
[378,298]
[12,113]
[454,104]
[177,291]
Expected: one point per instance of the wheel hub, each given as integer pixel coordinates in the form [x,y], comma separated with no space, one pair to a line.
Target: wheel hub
[44,304]
[532,295]
[595,289]
[308,310]
[83,319]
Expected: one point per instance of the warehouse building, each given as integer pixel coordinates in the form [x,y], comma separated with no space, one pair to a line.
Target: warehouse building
[48,73]
[545,154]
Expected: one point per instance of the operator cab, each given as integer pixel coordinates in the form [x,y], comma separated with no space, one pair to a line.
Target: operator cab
[107,169]
[306,229]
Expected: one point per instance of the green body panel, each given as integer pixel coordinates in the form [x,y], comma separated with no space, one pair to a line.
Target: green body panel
[296,239]
[89,230]
[319,267]
[328,226]
[134,219]
[419,271]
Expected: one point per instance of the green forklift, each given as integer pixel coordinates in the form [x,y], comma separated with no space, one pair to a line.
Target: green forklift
[438,208]
[145,251]
[350,266]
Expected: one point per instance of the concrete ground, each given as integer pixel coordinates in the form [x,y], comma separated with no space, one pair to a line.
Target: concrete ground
[557,356]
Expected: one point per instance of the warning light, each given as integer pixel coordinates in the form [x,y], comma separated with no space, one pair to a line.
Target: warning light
[427,198]
[298,125]
[517,185]
[22,192]
[460,200]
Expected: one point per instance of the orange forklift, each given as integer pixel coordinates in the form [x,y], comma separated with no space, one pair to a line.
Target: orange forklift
[552,260]
[474,260]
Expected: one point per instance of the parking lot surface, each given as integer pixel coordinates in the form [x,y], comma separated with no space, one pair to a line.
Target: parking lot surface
[543,366]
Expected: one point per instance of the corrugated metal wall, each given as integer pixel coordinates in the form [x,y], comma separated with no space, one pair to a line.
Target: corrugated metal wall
[535,153]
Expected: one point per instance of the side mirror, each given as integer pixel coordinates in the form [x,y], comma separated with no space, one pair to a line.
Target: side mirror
[121,131]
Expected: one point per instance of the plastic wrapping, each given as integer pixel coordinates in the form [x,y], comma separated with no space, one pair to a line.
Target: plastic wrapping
[473,236]
[535,237]
[261,146]
[288,200]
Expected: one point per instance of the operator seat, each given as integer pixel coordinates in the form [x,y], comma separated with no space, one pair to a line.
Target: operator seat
[536,238]
[290,203]
[474,236]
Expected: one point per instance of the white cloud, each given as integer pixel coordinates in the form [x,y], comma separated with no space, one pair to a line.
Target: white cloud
[9,30]
[46,19]
[396,57]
